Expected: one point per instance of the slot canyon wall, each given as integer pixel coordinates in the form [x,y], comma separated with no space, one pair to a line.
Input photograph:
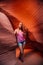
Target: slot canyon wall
[7,28]
[30,12]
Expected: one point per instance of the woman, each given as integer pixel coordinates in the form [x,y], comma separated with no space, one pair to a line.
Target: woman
[20,36]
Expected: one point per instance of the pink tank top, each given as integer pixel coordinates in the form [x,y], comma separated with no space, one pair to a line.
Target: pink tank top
[20,37]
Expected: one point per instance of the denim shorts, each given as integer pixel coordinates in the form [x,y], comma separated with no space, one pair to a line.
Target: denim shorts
[21,43]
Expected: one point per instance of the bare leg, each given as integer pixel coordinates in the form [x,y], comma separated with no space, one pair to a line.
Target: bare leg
[21,48]
[24,45]
[21,52]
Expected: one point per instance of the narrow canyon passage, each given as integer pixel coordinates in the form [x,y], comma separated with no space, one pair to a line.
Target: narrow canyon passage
[30,12]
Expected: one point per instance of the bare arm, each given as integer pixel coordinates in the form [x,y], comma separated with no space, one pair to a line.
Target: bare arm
[15,32]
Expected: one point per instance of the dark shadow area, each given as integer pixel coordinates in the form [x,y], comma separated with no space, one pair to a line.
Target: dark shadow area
[40,0]
[32,43]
